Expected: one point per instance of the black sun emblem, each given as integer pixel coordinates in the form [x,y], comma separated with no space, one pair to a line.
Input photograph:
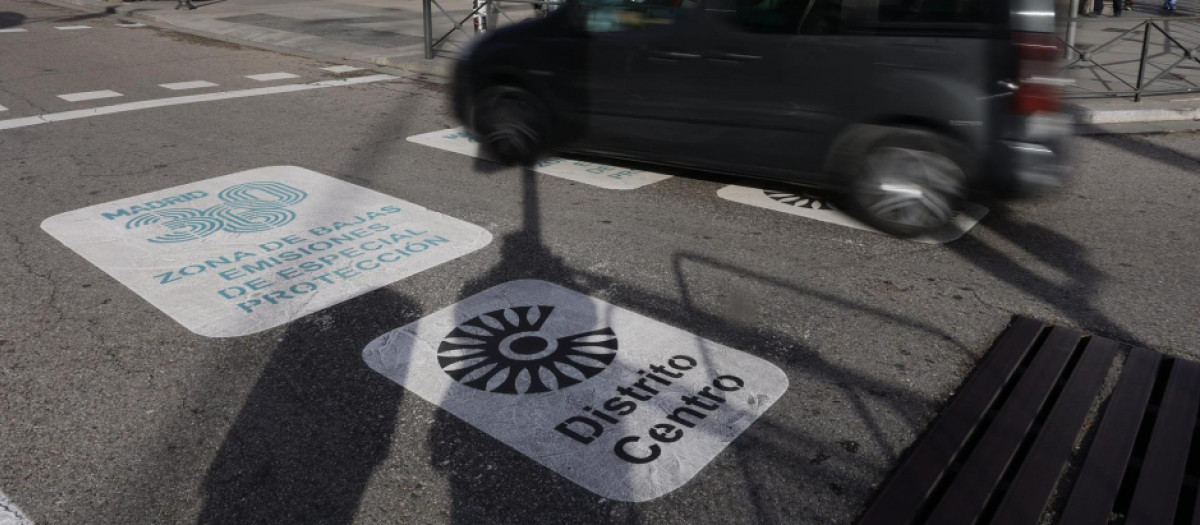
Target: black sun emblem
[506,351]
[800,200]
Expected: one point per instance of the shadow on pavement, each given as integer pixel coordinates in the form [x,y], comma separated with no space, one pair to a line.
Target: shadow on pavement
[487,478]
[1073,298]
[88,16]
[1155,152]
[316,424]
[9,19]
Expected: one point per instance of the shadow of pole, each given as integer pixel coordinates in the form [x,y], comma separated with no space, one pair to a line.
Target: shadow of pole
[484,473]
[317,422]
[315,425]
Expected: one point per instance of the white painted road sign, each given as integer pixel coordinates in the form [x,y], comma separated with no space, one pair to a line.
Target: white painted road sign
[246,252]
[816,208]
[601,175]
[625,406]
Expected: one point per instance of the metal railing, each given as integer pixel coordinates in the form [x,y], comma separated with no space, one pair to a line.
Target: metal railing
[484,15]
[1081,57]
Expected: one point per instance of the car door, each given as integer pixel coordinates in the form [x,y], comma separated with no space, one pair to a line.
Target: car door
[641,64]
[782,77]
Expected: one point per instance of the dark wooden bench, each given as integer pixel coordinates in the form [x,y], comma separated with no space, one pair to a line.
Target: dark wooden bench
[997,452]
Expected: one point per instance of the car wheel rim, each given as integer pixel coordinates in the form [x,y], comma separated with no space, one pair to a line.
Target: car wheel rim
[509,127]
[911,187]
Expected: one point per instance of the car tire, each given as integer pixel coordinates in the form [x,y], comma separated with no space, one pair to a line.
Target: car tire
[907,183]
[511,125]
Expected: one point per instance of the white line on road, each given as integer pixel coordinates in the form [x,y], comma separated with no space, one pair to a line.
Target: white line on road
[195,84]
[189,99]
[341,69]
[72,28]
[14,30]
[135,24]
[2,108]
[89,95]
[10,514]
[266,77]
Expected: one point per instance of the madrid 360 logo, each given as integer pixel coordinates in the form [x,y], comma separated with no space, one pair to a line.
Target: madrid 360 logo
[508,351]
[245,208]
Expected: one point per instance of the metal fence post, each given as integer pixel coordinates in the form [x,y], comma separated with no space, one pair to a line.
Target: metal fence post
[479,13]
[1071,28]
[427,14]
[1137,94]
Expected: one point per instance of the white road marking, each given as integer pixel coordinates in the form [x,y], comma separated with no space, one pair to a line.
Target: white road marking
[195,84]
[2,108]
[601,175]
[812,207]
[341,69]
[14,30]
[72,28]
[242,253]
[622,404]
[135,24]
[89,95]
[267,77]
[188,99]
[10,514]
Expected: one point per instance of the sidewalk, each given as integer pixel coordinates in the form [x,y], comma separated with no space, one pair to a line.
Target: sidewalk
[1113,47]
[390,33]
[380,32]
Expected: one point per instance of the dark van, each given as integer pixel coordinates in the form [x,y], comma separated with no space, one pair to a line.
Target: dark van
[905,109]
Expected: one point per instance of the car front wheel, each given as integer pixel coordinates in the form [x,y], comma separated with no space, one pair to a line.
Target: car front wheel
[510,124]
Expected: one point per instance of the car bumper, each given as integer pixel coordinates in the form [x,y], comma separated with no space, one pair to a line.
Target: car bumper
[1037,159]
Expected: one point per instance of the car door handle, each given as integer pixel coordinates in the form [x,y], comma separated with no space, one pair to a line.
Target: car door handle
[735,57]
[673,55]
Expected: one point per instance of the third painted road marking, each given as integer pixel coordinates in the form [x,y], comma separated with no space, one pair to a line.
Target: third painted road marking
[89,95]
[195,84]
[816,208]
[267,77]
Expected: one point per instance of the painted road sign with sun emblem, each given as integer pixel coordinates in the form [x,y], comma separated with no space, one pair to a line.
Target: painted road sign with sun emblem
[505,351]
[809,206]
[625,406]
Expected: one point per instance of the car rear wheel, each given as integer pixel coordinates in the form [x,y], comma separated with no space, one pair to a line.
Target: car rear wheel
[908,184]
[510,124]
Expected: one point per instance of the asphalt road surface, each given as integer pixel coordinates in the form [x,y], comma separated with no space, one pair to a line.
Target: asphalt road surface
[113,412]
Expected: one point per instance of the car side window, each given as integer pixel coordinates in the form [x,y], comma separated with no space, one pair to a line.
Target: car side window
[760,16]
[933,11]
[823,17]
[607,16]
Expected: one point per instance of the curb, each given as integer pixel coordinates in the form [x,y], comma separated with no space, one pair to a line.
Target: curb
[1128,115]
[439,67]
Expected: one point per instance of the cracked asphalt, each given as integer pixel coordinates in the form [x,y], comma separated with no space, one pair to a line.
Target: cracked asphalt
[114,413]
